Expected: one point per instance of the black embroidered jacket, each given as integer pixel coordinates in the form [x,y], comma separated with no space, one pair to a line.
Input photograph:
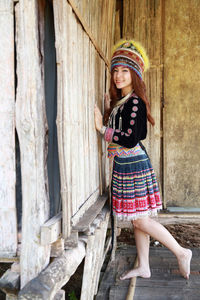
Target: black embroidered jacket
[129,123]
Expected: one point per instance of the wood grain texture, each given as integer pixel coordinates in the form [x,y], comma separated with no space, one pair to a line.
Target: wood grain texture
[60,295]
[91,214]
[51,230]
[81,83]
[50,281]
[8,221]
[94,260]
[142,22]
[181,112]
[32,128]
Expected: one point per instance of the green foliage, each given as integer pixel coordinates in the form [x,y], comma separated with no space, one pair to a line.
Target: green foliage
[72,296]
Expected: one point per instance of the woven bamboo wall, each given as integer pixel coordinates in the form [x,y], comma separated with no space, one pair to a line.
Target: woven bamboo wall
[142,20]
[182,109]
[84,33]
[170,33]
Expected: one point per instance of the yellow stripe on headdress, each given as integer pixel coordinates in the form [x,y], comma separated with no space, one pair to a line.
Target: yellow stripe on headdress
[139,48]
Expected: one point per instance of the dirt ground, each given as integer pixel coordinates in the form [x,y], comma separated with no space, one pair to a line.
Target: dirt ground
[188,235]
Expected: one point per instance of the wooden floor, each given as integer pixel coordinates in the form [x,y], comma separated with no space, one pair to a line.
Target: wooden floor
[164,284]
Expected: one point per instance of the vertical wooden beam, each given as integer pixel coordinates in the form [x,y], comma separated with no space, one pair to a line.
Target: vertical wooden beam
[32,129]
[62,13]
[94,260]
[8,221]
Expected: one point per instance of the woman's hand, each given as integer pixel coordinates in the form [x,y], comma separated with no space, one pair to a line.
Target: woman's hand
[106,102]
[98,118]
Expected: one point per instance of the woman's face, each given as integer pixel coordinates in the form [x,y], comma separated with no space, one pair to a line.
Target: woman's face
[122,78]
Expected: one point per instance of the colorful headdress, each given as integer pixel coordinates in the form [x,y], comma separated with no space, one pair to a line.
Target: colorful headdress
[131,54]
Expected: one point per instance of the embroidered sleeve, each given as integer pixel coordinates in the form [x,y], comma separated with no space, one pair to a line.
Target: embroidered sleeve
[134,125]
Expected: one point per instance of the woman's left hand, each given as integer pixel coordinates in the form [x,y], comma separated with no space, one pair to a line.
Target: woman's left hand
[98,118]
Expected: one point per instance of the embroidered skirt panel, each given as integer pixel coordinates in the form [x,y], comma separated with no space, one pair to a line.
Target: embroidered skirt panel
[135,191]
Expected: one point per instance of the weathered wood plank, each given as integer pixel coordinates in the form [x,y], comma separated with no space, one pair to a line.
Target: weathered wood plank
[181,125]
[61,21]
[88,268]
[91,214]
[10,282]
[88,30]
[57,248]
[57,274]
[72,240]
[167,293]
[101,256]
[8,221]
[81,82]
[51,230]
[9,259]
[11,297]
[32,129]
[166,219]
[93,260]
[60,295]
[97,221]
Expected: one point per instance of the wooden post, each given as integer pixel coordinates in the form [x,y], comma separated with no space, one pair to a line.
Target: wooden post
[8,228]
[94,258]
[132,285]
[32,130]
[61,27]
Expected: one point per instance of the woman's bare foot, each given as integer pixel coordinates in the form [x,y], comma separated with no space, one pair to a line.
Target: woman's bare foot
[141,272]
[184,263]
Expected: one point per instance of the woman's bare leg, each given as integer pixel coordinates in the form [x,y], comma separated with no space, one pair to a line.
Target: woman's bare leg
[160,233]
[142,245]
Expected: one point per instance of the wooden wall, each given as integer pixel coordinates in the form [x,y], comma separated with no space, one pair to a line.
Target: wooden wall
[142,21]
[31,127]
[83,32]
[170,33]
[182,108]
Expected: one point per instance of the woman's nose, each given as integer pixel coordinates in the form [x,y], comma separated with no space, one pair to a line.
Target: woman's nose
[118,75]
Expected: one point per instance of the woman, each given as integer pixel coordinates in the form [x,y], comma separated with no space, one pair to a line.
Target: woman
[135,193]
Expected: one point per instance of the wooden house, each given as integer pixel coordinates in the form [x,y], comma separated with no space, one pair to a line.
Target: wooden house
[54,66]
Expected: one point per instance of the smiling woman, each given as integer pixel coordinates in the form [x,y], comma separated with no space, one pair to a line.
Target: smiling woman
[122,79]
[134,189]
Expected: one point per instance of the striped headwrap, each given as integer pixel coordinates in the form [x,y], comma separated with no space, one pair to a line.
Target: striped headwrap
[131,54]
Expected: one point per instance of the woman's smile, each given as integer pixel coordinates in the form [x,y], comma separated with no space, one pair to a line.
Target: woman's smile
[122,79]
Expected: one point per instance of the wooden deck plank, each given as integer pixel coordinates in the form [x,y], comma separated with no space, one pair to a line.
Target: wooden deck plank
[165,280]
[91,214]
[177,293]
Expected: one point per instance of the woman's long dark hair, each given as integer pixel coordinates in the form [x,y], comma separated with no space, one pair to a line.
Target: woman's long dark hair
[140,90]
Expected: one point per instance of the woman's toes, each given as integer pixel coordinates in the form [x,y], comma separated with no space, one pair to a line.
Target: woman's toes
[135,272]
[184,264]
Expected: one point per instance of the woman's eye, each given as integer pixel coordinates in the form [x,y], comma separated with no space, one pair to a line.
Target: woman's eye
[125,70]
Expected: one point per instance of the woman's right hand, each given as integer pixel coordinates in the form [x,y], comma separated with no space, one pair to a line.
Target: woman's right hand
[106,102]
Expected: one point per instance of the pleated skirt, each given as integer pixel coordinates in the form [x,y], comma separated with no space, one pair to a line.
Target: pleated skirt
[134,188]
